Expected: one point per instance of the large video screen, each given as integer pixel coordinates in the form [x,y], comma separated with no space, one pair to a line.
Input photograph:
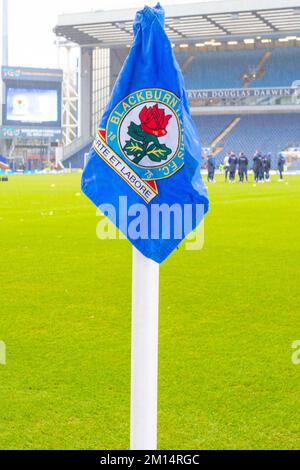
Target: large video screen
[28,104]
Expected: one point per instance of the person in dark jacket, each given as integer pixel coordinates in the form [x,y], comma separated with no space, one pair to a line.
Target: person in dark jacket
[233,162]
[243,167]
[261,169]
[258,167]
[211,168]
[267,159]
[280,165]
[226,166]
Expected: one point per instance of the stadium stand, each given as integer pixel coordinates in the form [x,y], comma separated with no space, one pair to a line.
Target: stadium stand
[266,132]
[224,69]
[281,68]
[218,45]
[220,69]
[75,158]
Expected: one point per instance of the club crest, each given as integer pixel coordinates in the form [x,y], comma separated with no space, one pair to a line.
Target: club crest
[146,130]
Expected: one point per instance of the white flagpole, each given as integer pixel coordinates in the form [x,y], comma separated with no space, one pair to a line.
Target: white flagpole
[144,352]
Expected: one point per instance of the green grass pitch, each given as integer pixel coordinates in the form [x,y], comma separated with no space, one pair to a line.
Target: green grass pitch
[228,316]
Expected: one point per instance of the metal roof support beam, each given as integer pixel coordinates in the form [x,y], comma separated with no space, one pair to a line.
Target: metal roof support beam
[174,30]
[266,22]
[215,23]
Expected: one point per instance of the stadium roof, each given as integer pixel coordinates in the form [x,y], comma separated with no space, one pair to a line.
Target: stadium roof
[186,23]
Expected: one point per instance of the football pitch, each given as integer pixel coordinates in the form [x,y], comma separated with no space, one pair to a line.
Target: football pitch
[228,316]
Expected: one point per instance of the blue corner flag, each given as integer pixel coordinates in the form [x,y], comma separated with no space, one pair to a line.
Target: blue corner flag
[146,158]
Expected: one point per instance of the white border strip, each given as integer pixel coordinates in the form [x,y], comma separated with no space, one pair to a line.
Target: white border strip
[123,169]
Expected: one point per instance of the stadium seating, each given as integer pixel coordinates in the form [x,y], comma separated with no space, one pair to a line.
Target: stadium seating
[76,158]
[224,69]
[218,69]
[265,132]
[281,69]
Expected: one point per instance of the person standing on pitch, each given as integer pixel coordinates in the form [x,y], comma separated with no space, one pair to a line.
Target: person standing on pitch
[255,166]
[280,165]
[211,168]
[243,165]
[258,167]
[233,161]
[226,166]
[267,166]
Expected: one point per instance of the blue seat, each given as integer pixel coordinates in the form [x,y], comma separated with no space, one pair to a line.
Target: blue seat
[224,69]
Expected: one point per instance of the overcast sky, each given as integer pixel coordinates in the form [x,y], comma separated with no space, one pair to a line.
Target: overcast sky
[31,40]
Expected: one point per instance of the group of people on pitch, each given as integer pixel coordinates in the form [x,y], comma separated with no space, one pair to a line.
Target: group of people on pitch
[232,165]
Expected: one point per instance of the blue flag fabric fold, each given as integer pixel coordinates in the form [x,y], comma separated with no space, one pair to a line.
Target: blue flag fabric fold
[146,158]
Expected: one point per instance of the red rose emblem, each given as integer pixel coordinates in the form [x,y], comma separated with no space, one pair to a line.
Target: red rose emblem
[154,121]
